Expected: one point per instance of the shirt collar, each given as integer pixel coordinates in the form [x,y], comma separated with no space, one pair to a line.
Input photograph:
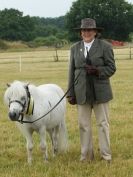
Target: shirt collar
[88,43]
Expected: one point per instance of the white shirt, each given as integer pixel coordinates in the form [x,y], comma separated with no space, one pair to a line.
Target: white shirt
[87,46]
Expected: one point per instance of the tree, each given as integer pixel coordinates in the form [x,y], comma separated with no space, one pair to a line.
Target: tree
[15,26]
[115,16]
[45,27]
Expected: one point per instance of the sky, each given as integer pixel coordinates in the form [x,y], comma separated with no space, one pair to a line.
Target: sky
[41,8]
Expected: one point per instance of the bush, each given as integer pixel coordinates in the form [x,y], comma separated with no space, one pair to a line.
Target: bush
[47,41]
[131,37]
[3,45]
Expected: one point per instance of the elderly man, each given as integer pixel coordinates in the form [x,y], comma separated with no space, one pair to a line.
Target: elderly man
[93,58]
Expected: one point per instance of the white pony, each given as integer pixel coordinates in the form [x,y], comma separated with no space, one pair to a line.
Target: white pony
[30,102]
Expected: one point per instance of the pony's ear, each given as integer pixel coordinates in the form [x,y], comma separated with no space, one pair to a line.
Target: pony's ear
[8,85]
[26,85]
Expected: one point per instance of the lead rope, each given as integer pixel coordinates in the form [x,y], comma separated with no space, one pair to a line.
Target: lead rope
[23,121]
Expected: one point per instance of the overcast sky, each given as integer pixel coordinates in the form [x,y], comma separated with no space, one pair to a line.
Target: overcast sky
[42,8]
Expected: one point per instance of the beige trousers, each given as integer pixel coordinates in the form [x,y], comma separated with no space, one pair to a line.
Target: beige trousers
[102,119]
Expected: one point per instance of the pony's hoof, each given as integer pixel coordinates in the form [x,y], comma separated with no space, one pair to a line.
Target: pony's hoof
[83,159]
[29,162]
[54,155]
[46,161]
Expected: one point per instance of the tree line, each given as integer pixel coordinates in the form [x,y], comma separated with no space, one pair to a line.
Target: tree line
[115,16]
[15,26]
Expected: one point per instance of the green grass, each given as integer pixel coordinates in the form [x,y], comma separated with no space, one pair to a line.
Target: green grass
[13,157]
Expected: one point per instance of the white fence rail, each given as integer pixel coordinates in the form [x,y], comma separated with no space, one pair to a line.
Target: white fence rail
[53,55]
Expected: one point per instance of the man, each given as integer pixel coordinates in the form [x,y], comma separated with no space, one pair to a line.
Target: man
[93,58]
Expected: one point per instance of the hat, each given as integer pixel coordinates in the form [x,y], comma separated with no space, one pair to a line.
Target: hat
[89,23]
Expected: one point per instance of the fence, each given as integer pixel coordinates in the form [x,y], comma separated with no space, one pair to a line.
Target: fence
[53,55]
[123,52]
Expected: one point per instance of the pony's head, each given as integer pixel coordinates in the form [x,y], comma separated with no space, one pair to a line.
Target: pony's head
[16,97]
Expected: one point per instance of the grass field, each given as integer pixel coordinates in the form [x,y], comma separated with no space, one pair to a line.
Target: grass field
[12,145]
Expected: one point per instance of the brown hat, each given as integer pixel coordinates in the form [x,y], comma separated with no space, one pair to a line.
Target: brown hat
[89,23]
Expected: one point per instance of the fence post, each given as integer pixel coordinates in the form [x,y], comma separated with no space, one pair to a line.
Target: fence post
[130,53]
[56,57]
[20,63]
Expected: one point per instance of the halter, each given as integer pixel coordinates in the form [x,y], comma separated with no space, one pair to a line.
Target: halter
[17,101]
[30,107]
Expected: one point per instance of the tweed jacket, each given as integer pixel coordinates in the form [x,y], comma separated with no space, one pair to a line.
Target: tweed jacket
[101,56]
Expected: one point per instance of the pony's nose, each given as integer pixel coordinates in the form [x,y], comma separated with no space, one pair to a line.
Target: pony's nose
[13,116]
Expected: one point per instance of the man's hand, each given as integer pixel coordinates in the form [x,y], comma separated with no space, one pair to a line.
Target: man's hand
[93,70]
[72,100]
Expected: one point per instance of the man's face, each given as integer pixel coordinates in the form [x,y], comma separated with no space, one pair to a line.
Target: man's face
[88,34]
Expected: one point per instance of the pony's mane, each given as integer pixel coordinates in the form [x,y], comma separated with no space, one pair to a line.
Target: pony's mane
[16,90]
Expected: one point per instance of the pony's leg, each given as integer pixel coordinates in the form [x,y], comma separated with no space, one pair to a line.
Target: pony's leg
[43,144]
[54,138]
[29,147]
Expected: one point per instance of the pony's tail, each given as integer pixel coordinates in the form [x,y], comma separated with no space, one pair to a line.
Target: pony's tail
[62,138]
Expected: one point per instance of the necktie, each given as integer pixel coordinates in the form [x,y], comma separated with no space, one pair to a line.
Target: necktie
[88,61]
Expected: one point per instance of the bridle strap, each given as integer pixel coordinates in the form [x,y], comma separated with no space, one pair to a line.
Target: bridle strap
[17,101]
[23,105]
[29,98]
